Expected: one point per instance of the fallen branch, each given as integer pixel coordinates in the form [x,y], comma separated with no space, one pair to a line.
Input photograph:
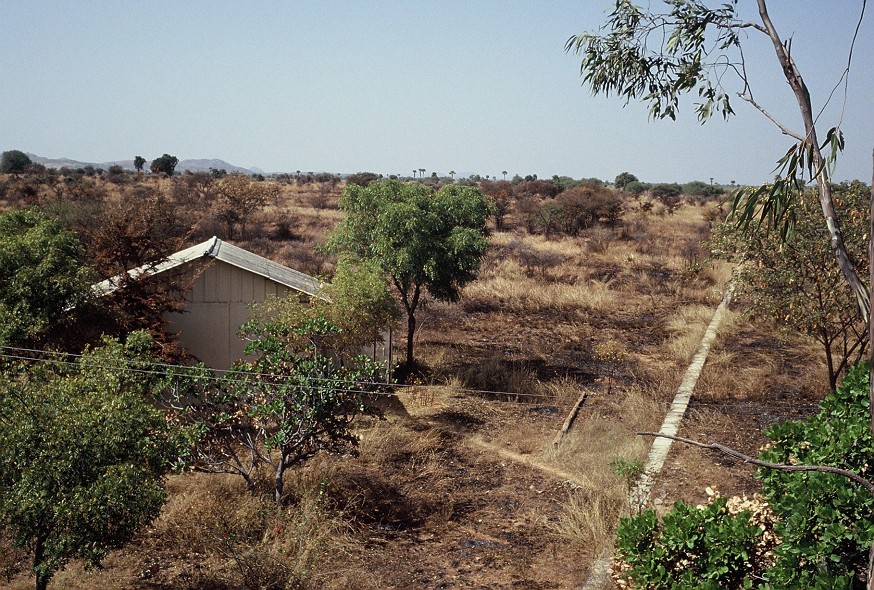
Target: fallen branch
[779,466]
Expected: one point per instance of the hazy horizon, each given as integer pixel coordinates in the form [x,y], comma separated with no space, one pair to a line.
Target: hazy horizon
[391,87]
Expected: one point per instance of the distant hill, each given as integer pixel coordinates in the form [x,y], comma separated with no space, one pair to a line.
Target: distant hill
[194,165]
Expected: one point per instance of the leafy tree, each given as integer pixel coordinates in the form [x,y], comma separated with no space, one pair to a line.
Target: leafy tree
[165,164]
[139,162]
[14,162]
[793,282]
[659,56]
[357,303]
[239,197]
[637,188]
[276,411]
[423,240]
[42,278]
[363,178]
[82,455]
[698,188]
[623,179]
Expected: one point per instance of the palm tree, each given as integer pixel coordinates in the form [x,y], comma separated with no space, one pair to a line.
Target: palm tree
[452,174]
[421,173]
[414,173]
[504,172]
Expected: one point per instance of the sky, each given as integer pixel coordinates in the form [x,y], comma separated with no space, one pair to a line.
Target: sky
[393,86]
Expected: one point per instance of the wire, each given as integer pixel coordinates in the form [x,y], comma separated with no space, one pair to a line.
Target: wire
[245,377]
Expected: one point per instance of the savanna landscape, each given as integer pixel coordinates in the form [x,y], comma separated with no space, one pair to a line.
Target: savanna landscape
[443,380]
[459,484]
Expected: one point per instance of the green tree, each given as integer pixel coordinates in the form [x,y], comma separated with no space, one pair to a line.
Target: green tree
[42,278]
[423,240]
[82,455]
[623,179]
[14,162]
[358,303]
[697,48]
[793,281]
[277,411]
[165,164]
[139,162]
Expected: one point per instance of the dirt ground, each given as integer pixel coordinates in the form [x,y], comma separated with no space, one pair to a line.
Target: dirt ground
[461,488]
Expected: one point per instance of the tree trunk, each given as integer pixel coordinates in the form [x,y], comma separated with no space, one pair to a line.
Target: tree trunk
[802,96]
[411,331]
[860,291]
[42,577]
[870,584]
[278,483]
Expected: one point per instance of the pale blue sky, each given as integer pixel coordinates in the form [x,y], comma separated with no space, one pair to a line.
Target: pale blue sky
[341,86]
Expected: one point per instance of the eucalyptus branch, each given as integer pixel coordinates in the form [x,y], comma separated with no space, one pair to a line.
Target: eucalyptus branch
[785,130]
[867,484]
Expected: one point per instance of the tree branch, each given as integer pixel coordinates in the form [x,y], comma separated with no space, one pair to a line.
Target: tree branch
[868,485]
[785,130]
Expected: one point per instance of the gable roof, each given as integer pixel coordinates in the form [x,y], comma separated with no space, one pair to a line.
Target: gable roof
[228,253]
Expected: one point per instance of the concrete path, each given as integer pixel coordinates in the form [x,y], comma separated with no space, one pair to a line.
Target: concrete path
[599,576]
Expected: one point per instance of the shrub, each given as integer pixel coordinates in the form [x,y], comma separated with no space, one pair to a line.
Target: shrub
[823,521]
[692,547]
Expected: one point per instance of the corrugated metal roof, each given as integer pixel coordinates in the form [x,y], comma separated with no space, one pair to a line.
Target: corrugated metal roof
[228,253]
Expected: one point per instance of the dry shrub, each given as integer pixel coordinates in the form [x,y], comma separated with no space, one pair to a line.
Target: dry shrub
[599,240]
[728,377]
[399,481]
[688,325]
[588,519]
[500,375]
[254,542]
[564,391]
[590,513]
[533,260]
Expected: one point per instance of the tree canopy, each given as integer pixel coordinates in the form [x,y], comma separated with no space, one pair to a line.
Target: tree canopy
[794,281]
[42,278]
[14,162]
[165,164]
[425,241]
[277,411]
[82,455]
[688,47]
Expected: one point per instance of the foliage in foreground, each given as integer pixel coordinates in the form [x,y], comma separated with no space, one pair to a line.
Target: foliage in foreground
[823,521]
[794,280]
[278,410]
[82,455]
[42,278]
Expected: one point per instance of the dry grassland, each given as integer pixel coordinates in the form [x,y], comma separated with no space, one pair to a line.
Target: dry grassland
[460,486]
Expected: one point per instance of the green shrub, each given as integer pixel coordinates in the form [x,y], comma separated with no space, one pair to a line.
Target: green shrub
[826,520]
[692,547]
[823,521]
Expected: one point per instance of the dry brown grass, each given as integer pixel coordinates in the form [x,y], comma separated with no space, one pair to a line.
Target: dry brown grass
[450,470]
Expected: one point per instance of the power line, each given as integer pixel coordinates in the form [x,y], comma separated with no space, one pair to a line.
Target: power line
[233,377]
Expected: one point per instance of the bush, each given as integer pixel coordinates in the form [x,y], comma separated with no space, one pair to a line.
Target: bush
[826,520]
[703,547]
[823,521]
